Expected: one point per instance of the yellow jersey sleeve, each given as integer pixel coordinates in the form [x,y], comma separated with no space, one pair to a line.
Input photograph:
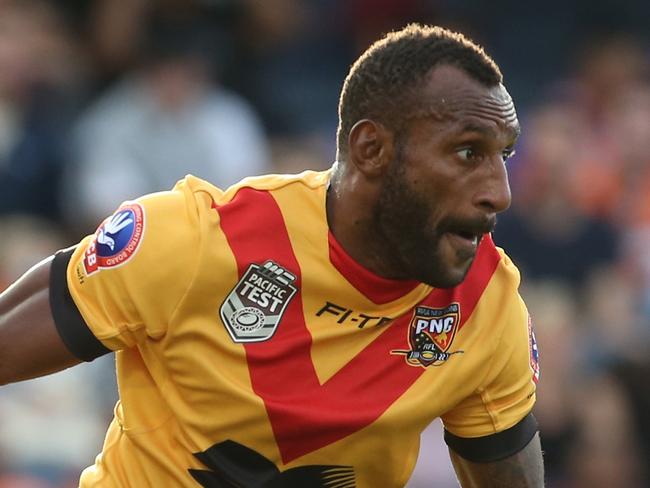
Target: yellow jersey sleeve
[129,277]
[507,393]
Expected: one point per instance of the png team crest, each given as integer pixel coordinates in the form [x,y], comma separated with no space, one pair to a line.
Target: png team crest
[253,309]
[116,240]
[431,333]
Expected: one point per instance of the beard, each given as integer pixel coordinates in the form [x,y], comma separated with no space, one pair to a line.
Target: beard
[409,240]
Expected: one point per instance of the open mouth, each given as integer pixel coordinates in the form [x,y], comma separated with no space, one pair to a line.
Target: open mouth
[465,242]
[464,235]
[468,236]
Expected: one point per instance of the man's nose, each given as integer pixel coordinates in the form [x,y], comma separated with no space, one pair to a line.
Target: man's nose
[493,195]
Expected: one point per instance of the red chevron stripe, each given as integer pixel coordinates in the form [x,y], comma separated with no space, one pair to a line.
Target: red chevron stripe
[306,415]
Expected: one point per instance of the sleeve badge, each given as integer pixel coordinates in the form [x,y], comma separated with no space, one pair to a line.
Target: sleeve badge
[117,239]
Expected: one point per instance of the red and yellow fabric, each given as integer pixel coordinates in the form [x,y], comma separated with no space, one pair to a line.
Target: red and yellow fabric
[339,389]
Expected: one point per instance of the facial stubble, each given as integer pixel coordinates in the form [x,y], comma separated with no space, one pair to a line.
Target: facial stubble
[408,240]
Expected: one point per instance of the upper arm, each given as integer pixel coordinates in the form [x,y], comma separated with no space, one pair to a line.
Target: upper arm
[113,291]
[506,393]
[494,424]
[523,469]
[30,344]
[127,281]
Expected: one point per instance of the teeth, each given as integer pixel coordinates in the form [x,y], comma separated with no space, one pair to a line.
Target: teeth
[475,240]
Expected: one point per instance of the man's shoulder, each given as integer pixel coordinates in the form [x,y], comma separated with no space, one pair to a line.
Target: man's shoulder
[307,180]
[507,267]
[492,279]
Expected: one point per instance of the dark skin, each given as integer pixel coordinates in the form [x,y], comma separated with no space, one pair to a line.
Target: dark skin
[445,180]
[30,345]
[450,184]
[522,470]
[409,208]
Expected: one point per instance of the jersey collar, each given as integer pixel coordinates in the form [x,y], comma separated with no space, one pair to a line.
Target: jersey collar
[378,289]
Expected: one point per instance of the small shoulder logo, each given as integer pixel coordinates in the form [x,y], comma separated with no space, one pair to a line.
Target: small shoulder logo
[534,352]
[430,334]
[254,307]
[116,240]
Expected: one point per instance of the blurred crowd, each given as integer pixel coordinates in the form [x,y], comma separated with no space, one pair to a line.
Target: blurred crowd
[102,101]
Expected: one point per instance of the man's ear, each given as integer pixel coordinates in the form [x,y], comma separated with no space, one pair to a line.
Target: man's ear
[371,147]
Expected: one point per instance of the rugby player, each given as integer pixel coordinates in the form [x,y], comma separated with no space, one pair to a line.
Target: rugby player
[302,330]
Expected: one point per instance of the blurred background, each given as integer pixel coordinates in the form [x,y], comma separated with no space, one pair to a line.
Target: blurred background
[105,100]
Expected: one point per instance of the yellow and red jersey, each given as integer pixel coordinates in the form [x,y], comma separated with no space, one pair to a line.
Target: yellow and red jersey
[252,350]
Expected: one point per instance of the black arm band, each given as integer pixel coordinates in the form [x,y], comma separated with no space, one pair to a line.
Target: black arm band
[496,446]
[71,326]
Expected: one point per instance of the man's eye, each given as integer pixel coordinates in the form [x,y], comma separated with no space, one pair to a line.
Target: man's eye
[466,154]
[507,154]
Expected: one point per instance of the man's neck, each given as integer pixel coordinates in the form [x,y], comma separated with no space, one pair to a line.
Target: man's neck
[350,202]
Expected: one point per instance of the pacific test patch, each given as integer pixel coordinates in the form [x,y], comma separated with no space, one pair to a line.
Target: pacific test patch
[253,309]
[431,333]
[116,240]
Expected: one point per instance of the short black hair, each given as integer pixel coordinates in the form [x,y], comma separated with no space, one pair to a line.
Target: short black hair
[381,84]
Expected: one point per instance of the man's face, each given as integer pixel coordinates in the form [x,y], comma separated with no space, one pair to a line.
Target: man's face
[448,179]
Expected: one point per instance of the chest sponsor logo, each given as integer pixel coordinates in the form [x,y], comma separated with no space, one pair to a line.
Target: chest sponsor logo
[254,307]
[346,315]
[116,240]
[430,335]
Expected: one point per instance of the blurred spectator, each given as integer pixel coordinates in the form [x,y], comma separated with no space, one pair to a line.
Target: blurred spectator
[617,347]
[606,452]
[613,316]
[546,233]
[367,20]
[295,154]
[114,34]
[610,176]
[292,58]
[52,427]
[555,313]
[628,127]
[591,412]
[37,72]
[633,378]
[161,122]
[22,481]
[25,240]
[605,66]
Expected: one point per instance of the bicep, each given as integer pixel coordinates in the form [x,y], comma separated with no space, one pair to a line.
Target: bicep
[523,469]
[30,345]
